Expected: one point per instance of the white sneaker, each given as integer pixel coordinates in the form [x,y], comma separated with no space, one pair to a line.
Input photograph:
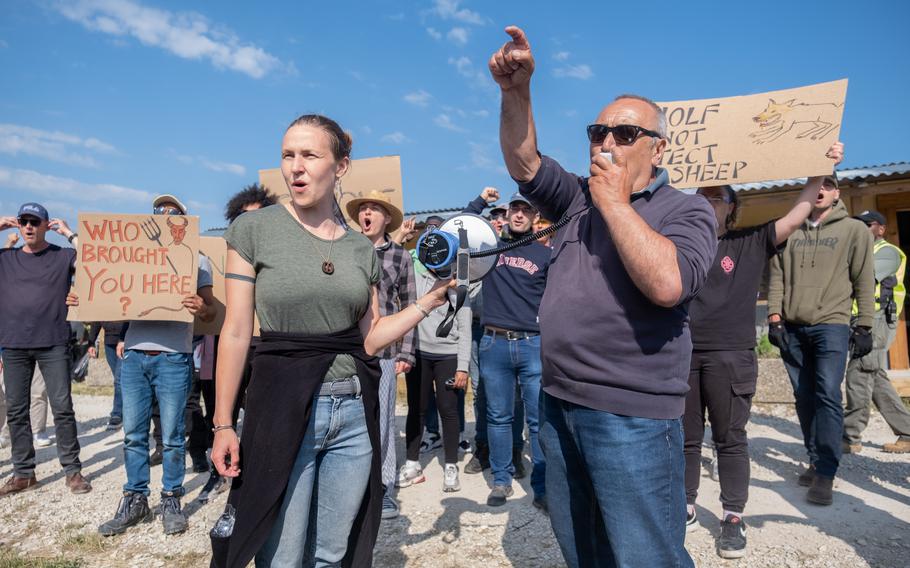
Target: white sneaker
[4,442]
[450,483]
[430,442]
[42,440]
[410,474]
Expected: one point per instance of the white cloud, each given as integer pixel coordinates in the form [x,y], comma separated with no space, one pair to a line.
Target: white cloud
[484,157]
[56,146]
[434,33]
[571,113]
[458,36]
[396,137]
[481,113]
[582,72]
[477,78]
[213,165]
[366,129]
[561,56]
[66,188]
[396,17]
[419,98]
[448,10]
[185,34]
[445,121]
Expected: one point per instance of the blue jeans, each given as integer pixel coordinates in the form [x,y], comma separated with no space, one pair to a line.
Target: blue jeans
[480,398]
[615,487]
[167,377]
[503,364]
[110,353]
[816,359]
[325,489]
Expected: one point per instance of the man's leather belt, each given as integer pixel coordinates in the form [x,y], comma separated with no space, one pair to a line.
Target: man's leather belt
[341,387]
[510,335]
[151,353]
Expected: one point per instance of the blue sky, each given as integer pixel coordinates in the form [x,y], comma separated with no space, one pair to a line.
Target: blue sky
[105,103]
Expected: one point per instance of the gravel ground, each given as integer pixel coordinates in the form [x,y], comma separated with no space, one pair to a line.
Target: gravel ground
[868,525]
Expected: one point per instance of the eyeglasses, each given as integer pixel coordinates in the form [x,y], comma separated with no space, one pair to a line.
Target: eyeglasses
[24,221]
[166,210]
[623,134]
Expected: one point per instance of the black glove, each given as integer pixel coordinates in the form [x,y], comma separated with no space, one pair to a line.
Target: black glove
[777,334]
[860,342]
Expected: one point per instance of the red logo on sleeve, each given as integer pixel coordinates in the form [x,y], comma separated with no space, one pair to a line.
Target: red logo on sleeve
[727,264]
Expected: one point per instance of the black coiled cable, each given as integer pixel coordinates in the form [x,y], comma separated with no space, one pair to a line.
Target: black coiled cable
[528,238]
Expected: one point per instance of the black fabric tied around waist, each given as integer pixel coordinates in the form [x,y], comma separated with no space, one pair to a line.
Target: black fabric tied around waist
[288,370]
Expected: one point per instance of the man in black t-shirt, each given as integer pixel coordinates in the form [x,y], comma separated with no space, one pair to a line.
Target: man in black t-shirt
[724,368]
[35,279]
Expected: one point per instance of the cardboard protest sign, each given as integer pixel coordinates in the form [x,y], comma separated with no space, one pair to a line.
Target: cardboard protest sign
[215,248]
[135,267]
[774,135]
[365,175]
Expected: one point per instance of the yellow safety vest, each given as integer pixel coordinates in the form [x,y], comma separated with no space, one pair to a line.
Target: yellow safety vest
[900,292]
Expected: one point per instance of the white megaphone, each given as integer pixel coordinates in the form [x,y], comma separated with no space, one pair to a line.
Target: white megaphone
[450,250]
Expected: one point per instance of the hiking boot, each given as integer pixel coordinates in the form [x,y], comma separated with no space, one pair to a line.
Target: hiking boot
[432,441]
[216,484]
[450,482]
[115,423]
[848,448]
[157,457]
[900,446]
[16,484]
[732,543]
[78,484]
[390,507]
[806,477]
[498,495]
[172,518]
[410,474]
[200,462]
[691,521]
[480,460]
[540,501]
[822,490]
[518,464]
[132,510]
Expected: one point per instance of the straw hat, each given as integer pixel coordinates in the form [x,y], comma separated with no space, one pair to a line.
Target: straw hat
[353,208]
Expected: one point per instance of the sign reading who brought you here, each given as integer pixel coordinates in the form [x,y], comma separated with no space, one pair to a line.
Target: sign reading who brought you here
[768,136]
[135,267]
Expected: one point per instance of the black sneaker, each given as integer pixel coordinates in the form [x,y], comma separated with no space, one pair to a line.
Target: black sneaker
[200,462]
[732,543]
[172,518]
[499,494]
[479,461]
[518,463]
[115,423]
[216,484]
[540,501]
[132,510]
[691,522]
[156,458]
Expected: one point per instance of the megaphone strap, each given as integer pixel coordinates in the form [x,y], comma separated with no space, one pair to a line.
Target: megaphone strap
[445,326]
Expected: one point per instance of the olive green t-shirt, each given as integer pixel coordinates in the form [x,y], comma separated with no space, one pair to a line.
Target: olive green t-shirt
[292,293]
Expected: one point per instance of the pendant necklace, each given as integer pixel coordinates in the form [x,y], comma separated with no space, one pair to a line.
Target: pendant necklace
[327,266]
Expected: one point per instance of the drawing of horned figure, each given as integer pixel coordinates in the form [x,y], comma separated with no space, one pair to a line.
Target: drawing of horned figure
[812,121]
[177,249]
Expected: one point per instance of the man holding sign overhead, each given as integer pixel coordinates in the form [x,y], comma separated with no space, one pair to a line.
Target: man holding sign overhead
[34,279]
[615,343]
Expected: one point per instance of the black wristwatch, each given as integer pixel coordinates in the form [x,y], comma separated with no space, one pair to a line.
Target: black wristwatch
[71,237]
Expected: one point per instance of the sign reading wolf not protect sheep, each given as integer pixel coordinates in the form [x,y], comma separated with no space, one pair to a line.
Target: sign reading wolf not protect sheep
[768,136]
[135,267]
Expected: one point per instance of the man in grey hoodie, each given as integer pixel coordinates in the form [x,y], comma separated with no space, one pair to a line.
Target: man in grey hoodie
[827,264]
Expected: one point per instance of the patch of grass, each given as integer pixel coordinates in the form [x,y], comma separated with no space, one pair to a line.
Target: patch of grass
[9,559]
[765,350]
[187,560]
[86,542]
[84,388]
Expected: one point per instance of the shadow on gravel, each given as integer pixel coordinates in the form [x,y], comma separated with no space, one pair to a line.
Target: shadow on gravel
[839,519]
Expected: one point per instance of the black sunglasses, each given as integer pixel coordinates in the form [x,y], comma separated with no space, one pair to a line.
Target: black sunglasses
[167,210]
[624,134]
[23,221]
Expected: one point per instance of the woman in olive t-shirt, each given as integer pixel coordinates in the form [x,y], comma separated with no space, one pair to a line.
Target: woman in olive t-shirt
[305,273]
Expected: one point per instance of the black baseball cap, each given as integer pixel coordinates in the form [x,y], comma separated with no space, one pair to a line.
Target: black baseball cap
[517,197]
[498,210]
[870,216]
[34,210]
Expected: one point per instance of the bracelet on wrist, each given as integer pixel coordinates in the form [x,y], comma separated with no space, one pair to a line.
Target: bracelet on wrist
[421,309]
[72,236]
[218,427]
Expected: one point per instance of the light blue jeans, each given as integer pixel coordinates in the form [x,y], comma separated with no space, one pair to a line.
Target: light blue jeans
[326,487]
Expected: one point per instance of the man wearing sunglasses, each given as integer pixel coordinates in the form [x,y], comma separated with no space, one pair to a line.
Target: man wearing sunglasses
[613,322]
[827,264]
[35,279]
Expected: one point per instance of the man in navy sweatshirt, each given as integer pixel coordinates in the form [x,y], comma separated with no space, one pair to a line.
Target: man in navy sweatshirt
[509,351]
[614,326]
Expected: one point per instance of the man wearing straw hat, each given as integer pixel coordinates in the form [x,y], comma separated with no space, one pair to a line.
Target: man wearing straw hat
[377,217]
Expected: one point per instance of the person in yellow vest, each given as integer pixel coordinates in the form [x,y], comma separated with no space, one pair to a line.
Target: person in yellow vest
[867,379]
